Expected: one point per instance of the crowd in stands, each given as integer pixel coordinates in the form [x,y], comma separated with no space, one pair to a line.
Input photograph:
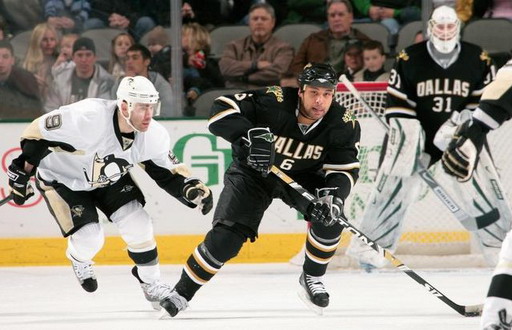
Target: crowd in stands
[60,66]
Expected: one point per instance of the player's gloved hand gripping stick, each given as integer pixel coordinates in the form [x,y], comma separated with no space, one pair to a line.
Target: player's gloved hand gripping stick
[472,310]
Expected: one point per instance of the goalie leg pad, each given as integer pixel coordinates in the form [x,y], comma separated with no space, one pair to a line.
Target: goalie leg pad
[383,216]
[405,144]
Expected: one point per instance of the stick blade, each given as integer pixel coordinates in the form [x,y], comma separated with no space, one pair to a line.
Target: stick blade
[473,310]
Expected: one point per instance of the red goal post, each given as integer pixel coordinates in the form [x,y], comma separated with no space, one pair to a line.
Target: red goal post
[431,236]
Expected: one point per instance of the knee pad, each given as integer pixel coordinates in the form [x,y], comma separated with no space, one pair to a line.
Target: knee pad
[135,227]
[86,242]
[224,242]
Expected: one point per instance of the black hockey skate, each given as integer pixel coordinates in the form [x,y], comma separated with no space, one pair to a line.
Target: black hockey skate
[84,274]
[313,293]
[174,303]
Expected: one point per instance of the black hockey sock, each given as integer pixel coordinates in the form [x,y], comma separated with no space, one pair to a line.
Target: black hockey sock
[198,270]
[319,252]
[220,245]
[144,258]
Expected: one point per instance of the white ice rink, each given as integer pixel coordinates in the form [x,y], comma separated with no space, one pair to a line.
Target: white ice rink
[260,296]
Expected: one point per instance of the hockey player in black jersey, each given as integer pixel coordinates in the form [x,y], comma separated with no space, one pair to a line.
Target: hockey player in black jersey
[460,159]
[81,155]
[308,136]
[431,84]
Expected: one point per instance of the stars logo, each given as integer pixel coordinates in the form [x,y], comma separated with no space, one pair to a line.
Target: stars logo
[349,116]
[77,210]
[277,91]
[127,188]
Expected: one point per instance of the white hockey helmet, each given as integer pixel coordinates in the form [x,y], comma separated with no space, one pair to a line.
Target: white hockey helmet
[135,90]
[444,29]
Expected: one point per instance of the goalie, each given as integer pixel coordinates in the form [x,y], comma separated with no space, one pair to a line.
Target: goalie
[433,86]
[460,159]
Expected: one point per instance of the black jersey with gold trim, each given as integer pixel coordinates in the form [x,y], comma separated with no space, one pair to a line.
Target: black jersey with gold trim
[330,144]
[419,87]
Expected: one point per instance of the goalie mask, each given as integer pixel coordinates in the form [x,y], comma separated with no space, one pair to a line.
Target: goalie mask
[319,75]
[134,90]
[444,29]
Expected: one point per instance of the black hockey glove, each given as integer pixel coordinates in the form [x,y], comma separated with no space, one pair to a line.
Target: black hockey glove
[197,193]
[461,156]
[327,208]
[21,189]
[260,144]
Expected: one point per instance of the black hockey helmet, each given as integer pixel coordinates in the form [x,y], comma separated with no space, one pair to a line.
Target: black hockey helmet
[318,74]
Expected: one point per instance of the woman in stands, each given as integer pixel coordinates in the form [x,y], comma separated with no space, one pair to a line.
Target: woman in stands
[119,46]
[42,52]
[199,71]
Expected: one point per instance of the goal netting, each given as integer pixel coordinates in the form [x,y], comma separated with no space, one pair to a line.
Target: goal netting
[431,235]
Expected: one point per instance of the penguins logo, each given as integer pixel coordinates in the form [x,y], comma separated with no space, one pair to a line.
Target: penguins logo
[107,170]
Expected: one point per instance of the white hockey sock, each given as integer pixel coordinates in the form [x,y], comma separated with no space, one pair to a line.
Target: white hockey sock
[150,273]
[86,242]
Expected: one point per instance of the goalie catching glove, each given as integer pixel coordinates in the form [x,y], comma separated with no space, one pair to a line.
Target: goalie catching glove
[327,208]
[21,189]
[461,156]
[197,193]
[261,151]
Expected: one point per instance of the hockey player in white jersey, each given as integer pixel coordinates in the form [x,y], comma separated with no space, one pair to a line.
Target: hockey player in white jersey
[430,90]
[460,159]
[81,155]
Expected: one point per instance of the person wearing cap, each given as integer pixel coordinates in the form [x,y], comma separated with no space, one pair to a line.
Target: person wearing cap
[81,78]
[307,135]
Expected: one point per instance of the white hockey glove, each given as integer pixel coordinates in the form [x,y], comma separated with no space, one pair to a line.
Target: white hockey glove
[197,193]
[461,156]
[327,208]
[445,133]
[260,145]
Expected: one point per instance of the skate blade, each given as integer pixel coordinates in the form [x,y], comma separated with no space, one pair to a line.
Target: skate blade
[156,305]
[303,295]
[164,315]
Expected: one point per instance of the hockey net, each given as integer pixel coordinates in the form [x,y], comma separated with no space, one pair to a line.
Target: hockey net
[431,236]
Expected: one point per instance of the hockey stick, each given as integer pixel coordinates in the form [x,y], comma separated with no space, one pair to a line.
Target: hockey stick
[469,222]
[472,310]
[6,199]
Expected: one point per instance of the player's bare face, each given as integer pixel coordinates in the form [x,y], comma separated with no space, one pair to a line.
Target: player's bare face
[316,101]
[141,116]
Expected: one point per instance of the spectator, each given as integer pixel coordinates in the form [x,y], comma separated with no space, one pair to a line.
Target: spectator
[130,16]
[67,15]
[41,54]
[159,44]
[65,51]
[390,13]
[82,78]
[419,37]
[137,63]
[373,59]
[353,59]
[200,72]
[329,45]
[18,88]
[259,59]
[118,49]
